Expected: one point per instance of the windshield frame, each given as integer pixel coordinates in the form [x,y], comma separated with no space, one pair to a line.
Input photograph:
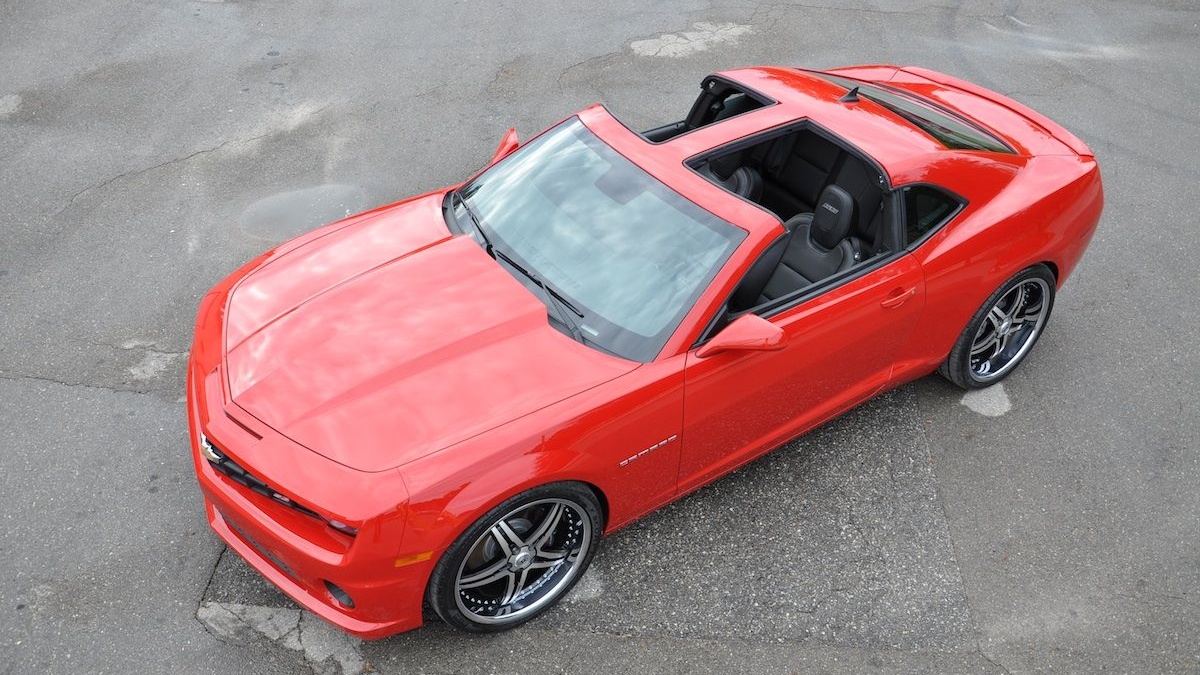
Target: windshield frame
[599,331]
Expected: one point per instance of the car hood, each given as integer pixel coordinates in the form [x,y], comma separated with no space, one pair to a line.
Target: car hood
[390,339]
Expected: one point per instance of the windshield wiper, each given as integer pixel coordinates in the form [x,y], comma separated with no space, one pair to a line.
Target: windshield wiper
[487,244]
[557,301]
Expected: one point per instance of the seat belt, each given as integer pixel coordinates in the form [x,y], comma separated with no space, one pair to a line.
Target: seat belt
[777,158]
[878,239]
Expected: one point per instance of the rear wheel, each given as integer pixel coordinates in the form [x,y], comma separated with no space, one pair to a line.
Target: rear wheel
[517,560]
[1003,331]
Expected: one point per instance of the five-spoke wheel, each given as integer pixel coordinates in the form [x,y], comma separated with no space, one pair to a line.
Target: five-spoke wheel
[518,559]
[1003,330]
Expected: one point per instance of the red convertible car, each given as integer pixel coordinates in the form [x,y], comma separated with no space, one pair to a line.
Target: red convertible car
[446,401]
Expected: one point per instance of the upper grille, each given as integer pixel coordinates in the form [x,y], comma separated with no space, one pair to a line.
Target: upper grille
[221,462]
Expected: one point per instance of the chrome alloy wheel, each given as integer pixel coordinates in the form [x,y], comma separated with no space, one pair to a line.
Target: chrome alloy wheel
[523,561]
[1009,329]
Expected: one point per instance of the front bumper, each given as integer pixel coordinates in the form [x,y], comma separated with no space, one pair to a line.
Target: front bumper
[294,550]
[304,579]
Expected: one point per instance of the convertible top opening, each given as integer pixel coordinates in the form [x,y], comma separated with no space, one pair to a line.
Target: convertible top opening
[719,100]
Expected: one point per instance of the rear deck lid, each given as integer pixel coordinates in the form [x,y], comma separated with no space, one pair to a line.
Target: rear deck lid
[1031,131]
[1028,131]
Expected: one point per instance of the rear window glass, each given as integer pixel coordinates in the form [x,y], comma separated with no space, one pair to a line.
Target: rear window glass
[949,130]
[925,209]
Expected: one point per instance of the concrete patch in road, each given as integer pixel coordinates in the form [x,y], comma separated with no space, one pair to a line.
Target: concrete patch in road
[152,365]
[590,587]
[326,649]
[990,402]
[9,105]
[685,43]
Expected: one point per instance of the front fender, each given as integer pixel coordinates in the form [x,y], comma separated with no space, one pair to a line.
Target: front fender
[621,437]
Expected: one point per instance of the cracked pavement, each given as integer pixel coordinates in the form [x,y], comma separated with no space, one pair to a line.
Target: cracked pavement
[1052,526]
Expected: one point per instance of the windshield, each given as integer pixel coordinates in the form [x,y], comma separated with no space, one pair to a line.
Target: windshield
[630,253]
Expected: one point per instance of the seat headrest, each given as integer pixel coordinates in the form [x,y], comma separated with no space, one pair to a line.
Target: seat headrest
[736,104]
[832,217]
[746,182]
[725,165]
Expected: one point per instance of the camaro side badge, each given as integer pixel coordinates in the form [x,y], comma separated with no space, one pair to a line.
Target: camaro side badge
[650,449]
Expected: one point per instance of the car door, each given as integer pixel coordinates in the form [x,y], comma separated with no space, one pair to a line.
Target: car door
[839,350]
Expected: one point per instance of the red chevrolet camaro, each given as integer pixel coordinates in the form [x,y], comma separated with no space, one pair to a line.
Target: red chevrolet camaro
[449,399]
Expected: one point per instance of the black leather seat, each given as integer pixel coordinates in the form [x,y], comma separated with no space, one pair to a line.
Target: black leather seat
[742,181]
[745,182]
[818,245]
[867,230]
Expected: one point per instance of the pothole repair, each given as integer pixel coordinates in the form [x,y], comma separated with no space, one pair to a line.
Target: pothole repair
[684,43]
[990,402]
[154,363]
[327,650]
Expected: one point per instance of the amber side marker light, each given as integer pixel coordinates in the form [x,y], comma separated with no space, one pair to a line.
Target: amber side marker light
[415,558]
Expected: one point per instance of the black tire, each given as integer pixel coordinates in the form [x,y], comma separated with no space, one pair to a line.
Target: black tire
[518,560]
[1000,335]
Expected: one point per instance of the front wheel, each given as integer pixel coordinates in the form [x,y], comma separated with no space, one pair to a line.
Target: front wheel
[517,560]
[1003,331]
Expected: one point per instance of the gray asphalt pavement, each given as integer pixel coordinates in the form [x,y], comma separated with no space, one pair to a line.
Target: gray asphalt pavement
[1048,525]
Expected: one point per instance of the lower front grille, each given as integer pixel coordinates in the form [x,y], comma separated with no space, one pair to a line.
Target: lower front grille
[262,550]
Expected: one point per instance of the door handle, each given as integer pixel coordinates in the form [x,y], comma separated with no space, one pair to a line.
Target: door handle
[898,297]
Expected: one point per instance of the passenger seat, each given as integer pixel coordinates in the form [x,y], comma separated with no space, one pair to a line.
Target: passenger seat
[819,246]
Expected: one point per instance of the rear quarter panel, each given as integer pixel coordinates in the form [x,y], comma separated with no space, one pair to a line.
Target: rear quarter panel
[1046,212]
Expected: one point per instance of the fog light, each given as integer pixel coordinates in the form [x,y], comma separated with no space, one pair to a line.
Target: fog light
[338,594]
